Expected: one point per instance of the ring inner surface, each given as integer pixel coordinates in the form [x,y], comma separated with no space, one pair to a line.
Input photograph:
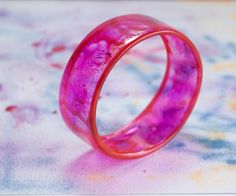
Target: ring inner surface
[131,84]
[169,108]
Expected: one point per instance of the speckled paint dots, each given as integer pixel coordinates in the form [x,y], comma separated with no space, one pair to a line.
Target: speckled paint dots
[91,63]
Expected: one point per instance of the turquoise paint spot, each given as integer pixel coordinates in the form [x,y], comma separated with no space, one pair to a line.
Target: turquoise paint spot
[231,161]
[218,143]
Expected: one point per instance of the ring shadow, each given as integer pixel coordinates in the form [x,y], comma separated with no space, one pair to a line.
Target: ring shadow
[95,172]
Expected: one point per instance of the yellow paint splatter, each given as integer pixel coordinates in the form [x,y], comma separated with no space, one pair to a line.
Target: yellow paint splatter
[215,174]
[225,67]
[197,177]
[232,105]
[216,135]
[96,177]
[234,16]
[222,168]
[151,177]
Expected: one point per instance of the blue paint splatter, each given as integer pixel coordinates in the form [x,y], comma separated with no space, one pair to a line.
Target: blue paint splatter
[231,161]
[175,145]
[217,143]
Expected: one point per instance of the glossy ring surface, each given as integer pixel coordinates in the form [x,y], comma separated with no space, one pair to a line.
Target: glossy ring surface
[93,60]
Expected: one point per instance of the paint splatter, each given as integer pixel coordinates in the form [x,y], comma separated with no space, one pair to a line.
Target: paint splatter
[23,114]
[50,49]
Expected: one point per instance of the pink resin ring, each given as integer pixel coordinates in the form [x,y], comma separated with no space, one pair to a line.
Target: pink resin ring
[93,60]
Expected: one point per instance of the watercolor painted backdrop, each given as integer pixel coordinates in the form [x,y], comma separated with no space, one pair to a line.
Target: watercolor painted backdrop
[38,154]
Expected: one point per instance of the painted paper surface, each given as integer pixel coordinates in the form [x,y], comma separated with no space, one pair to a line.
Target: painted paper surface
[38,153]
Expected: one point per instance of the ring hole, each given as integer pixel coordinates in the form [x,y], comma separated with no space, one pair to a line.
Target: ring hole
[131,85]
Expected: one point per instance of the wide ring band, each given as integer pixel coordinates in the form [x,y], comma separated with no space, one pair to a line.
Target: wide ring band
[91,63]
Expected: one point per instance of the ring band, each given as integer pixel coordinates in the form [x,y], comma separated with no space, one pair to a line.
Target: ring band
[93,60]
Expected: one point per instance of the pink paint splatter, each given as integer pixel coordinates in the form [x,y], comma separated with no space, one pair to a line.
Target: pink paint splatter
[45,50]
[36,44]
[56,65]
[26,114]
[11,108]
[56,49]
